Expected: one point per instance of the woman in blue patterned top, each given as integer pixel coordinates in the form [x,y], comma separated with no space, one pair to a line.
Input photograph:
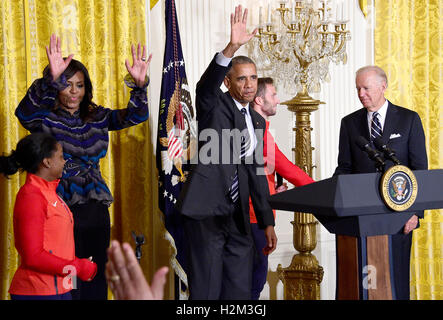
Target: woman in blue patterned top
[61,104]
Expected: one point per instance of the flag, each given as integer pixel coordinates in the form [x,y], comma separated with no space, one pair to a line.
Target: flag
[176,139]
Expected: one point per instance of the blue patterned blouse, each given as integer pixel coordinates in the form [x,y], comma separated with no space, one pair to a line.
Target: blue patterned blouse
[84,143]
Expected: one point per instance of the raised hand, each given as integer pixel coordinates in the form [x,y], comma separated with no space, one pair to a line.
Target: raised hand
[56,62]
[239,34]
[140,65]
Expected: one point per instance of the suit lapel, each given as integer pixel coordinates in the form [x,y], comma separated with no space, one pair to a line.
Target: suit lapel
[257,119]
[390,122]
[239,119]
[364,131]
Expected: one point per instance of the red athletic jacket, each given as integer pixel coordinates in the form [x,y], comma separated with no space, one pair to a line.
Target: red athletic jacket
[276,161]
[44,238]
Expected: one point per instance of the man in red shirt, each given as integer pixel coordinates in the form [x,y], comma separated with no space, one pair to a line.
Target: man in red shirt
[265,103]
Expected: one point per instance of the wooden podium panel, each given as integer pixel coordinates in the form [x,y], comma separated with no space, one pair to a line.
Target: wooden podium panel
[356,281]
[378,259]
[347,268]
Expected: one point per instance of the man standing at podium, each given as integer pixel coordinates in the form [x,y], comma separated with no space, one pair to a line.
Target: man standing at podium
[402,131]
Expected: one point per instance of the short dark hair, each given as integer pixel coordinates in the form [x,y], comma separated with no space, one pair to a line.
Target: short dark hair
[87,106]
[239,60]
[261,87]
[29,153]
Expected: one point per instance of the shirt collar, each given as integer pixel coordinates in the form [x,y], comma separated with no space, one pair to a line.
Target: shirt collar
[240,106]
[382,111]
[42,183]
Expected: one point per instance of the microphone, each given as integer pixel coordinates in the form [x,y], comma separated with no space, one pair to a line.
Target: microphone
[139,241]
[363,144]
[389,153]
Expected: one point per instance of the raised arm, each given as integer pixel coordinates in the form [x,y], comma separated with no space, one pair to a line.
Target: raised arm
[239,34]
[137,110]
[57,65]
[135,113]
[208,88]
[41,96]
[140,65]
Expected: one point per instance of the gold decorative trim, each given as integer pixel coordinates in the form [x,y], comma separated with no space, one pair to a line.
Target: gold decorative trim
[153,3]
[398,188]
[32,67]
[364,7]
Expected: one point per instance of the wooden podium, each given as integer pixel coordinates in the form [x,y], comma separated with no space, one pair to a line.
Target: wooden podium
[351,207]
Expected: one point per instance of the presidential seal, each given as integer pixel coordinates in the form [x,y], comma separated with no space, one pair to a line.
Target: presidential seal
[398,188]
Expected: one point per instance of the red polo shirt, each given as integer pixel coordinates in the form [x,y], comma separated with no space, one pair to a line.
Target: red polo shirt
[276,161]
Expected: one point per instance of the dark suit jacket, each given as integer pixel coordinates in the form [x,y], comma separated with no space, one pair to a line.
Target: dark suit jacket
[402,132]
[206,191]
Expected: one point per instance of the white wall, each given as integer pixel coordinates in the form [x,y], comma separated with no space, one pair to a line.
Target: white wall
[204,30]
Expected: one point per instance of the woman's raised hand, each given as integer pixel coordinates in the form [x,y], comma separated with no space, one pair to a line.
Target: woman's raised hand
[56,62]
[140,65]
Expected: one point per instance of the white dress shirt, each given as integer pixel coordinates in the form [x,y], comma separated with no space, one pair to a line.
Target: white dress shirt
[221,60]
[382,116]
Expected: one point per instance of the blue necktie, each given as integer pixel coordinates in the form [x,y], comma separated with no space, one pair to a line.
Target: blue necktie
[376,130]
[244,146]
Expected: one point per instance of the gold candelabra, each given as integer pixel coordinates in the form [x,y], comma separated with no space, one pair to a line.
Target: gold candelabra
[296,50]
[296,45]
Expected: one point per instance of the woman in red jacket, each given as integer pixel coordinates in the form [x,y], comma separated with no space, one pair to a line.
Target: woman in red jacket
[43,224]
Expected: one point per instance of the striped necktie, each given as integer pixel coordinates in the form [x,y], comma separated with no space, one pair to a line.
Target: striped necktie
[244,147]
[245,139]
[376,130]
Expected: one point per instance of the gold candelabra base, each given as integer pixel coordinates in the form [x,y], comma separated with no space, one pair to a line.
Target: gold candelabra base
[302,278]
[302,102]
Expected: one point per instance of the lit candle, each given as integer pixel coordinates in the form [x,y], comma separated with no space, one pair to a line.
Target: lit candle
[269,13]
[293,12]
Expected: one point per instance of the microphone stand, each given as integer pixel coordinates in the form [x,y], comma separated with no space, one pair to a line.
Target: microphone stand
[373,154]
[139,241]
[379,167]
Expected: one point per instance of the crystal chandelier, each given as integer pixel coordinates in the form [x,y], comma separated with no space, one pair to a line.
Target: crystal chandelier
[296,44]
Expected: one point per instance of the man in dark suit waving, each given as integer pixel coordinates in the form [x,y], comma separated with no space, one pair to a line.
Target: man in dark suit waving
[215,198]
[402,131]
